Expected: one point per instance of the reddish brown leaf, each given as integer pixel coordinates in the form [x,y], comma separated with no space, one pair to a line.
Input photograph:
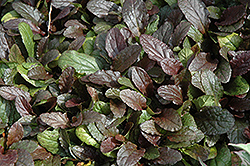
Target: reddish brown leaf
[23,107]
[179,33]
[49,56]
[129,155]
[63,13]
[171,66]
[74,23]
[24,158]
[231,15]
[11,92]
[201,61]
[115,42]
[240,105]
[73,32]
[66,80]
[175,17]
[55,119]
[149,131]
[146,63]
[77,43]
[73,102]
[169,120]
[240,63]
[91,116]
[142,80]
[109,145]
[133,99]
[9,158]
[15,133]
[40,154]
[168,156]
[38,73]
[118,108]
[171,92]
[156,49]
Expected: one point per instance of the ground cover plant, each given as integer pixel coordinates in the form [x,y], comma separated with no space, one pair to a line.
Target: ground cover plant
[124,82]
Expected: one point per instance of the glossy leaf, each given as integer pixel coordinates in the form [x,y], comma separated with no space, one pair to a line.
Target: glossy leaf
[236,133]
[66,79]
[129,155]
[197,151]
[164,32]
[171,66]
[49,140]
[23,107]
[213,120]
[115,42]
[156,49]
[55,119]
[15,133]
[16,54]
[109,144]
[49,56]
[244,156]
[126,58]
[172,93]
[196,13]
[134,13]
[179,33]
[82,63]
[133,99]
[240,63]
[24,158]
[61,4]
[9,158]
[73,32]
[85,137]
[150,132]
[11,92]
[38,73]
[117,108]
[237,86]
[223,71]
[169,120]
[27,37]
[142,80]
[232,41]
[168,156]
[245,147]
[239,105]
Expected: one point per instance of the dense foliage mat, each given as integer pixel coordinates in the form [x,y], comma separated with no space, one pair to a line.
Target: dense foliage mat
[124,82]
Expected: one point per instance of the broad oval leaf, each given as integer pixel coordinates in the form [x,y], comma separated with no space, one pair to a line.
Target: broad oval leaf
[4,47]
[118,108]
[168,156]
[49,140]
[23,107]
[201,62]
[55,119]
[109,144]
[82,63]
[231,41]
[142,80]
[164,32]
[223,71]
[236,133]
[179,33]
[134,13]
[15,133]
[240,105]
[156,49]
[66,79]
[102,8]
[237,86]
[169,120]
[223,157]
[38,73]
[11,92]
[115,42]
[171,92]
[240,63]
[24,158]
[133,99]
[150,132]
[171,66]
[129,155]
[126,58]
[213,120]
[196,13]
[9,158]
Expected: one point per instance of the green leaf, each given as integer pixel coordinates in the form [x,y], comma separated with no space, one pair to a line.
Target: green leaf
[223,71]
[126,82]
[213,120]
[9,16]
[231,41]
[16,54]
[245,147]
[196,151]
[151,153]
[171,2]
[83,63]
[184,55]
[5,109]
[214,11]
[203,101]
[237,86]
[49,140]
[27,37]
[236,133]
[85,137]
[195,34]
[223,157]
[244,156]
[88,45]
[152,26]
[101,107]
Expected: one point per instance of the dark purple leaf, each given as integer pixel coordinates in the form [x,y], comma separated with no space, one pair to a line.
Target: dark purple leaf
[28,12]
[63,13]
[77,43]
[84,153]
[11,92]
[168,156]
[15,133]
[9,158]
[171,66]
[175,16]
[134,13]
[59,4]
[208,2]
[240,63]
[73,32]
[40,153]
[49,56]
[133,99]
[66,80]
[126,33]
[156,49]
[109,145]
[115,42]
[24,158]
[102,8]
[30,2]
[23,107]
[171,92]
[13,25]
[129,155]
[91,116]
[118,108]
[4,47]
[75,23]
[42,95]
[169,120]
[154,10]
[142,80]
[55,119]
[146,63]
[164,32]
[149,131]
[108,78]
[38,73]
[231,15]
[223,71]
[126,58]
[201,62]
[51,103]
[16,55]
[179,33]
[213,120]
[196,13]
[73,102]
[43,43]
[240,105]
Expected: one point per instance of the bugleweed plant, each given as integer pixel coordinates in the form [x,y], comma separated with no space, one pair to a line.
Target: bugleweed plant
[124,82]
